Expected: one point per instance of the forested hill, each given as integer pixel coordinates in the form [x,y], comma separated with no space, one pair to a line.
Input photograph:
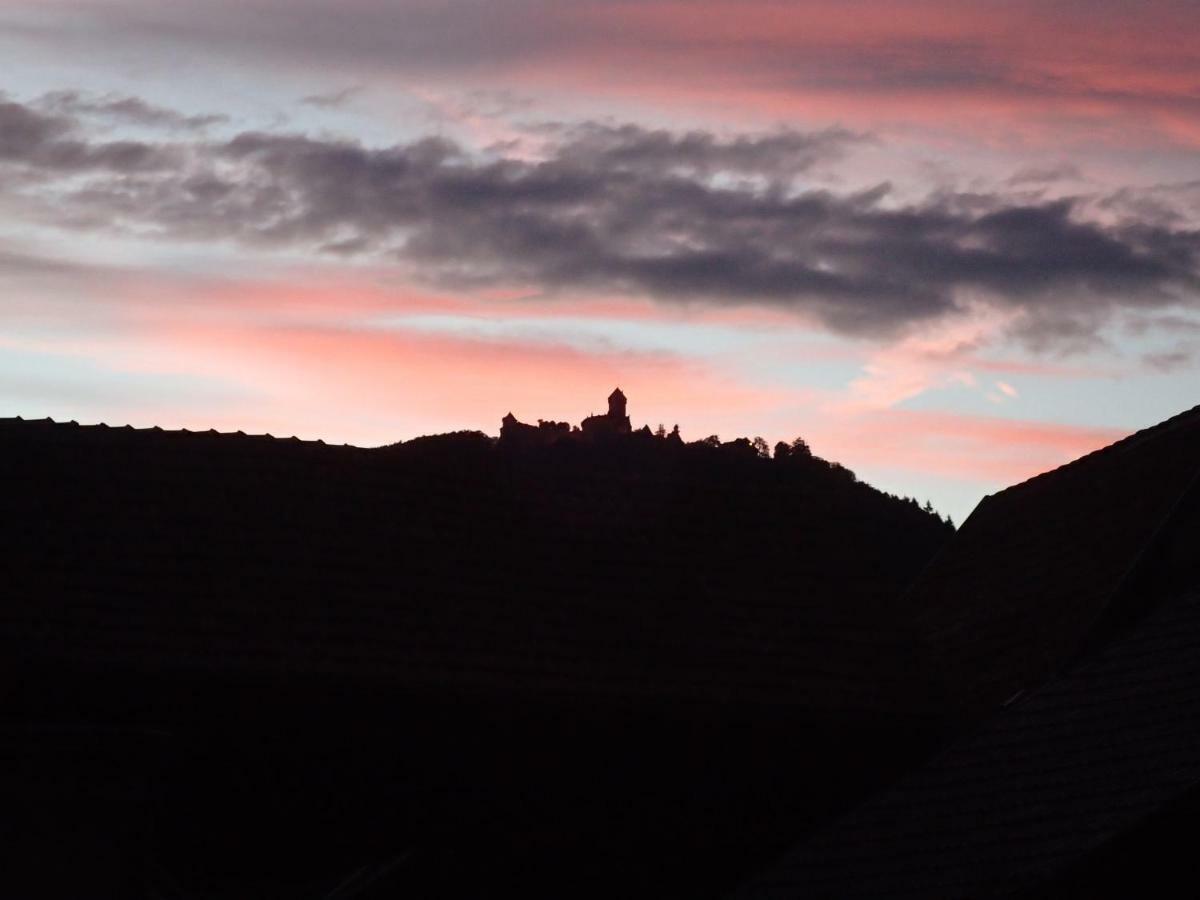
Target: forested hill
[254,666]
[630,566]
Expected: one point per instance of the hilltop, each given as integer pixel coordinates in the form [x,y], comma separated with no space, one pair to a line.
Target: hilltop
[680,553]
[530,649]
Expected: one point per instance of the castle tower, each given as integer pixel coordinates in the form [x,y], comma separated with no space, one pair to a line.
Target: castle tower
[616,405]
[614,422]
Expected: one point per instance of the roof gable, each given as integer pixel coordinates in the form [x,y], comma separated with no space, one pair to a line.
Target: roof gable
[1036,566]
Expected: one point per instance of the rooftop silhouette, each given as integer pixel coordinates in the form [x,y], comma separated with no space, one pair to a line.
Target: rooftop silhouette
[1063,620]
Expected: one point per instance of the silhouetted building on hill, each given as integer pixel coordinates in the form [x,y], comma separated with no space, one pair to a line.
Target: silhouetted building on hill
[515,433]
[614,423]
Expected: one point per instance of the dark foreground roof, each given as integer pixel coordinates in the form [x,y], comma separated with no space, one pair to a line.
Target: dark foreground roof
[1090,572]
[1038,567]
[1046,783]
[639,569]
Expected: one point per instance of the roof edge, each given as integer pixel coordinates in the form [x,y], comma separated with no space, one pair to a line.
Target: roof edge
[1179,420]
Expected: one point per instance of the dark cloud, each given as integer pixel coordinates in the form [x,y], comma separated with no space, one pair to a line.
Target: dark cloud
[51,143]
[678,217]
[1038,175]
[18,264]
[1172,204]
[332,100]
[125,110]
[631,148]
[1182,357]
[1140,324]
[418,34]
[24,132]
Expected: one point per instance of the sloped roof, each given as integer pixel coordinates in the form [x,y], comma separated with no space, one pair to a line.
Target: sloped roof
[1035,567]
[1044,783]
[447,564]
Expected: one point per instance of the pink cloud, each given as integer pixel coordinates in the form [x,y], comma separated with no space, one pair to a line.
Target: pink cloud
[974,448]
[1041,369]
[1003,70]
[1013,71]
[938,356]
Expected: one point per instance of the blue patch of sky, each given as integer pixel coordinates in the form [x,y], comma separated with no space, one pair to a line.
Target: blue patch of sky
[953,497]
[1113,385]
[588,334]
[37,384]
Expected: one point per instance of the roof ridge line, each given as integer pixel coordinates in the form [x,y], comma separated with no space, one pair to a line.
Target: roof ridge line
[159,430]
[1120,445]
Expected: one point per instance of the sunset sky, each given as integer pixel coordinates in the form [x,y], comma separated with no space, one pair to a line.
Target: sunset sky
[951,244]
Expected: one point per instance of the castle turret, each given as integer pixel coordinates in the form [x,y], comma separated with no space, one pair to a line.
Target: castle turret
[616,405]
[614,422]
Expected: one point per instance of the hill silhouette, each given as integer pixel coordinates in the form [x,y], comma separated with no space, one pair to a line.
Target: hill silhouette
[530,650]
[676,549]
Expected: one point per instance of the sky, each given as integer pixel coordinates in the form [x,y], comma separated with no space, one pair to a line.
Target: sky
[949,244]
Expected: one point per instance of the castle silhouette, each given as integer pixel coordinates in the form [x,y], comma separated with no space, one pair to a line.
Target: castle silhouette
[606,426]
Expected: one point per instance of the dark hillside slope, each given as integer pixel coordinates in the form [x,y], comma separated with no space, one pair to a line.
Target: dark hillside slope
[631,569]
[284,661]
